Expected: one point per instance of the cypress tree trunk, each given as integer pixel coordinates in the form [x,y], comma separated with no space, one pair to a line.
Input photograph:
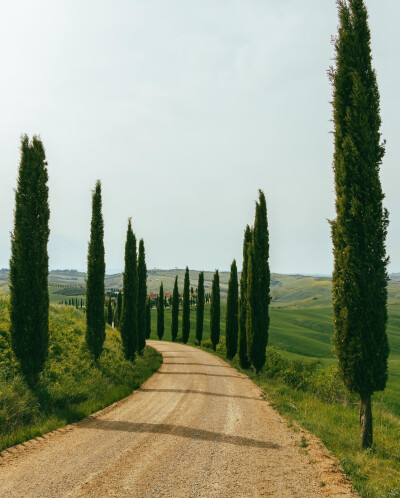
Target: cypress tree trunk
[148,319]
[175,310]
[128,327]
[142,295]
[186,308]
[232,312]
[200,309]
[258,287]
[95,321]
[29,267]
[160,313]
[359,285]
[243,355]
[215,311]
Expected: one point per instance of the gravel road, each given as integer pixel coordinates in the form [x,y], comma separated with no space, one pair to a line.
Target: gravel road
[196,428]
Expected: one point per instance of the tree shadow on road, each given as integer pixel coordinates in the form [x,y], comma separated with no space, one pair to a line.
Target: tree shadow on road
[200,373]
[192,391]
[175,430]
[200,364]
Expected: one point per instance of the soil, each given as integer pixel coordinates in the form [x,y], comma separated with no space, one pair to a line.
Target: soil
[196,428]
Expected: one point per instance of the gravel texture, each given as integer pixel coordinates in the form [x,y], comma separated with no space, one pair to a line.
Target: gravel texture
[196,428]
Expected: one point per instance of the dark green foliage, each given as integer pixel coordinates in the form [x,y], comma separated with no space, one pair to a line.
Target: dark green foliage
[160,313]
[29,263]
[109,313]
[258,286]
[243,356]
[148,319]
[118,310]
[175,310]
[128,326]
[215,311]
[186,308]
[200,308]
[95,322]
[142,295]
[232,314]
[360,228]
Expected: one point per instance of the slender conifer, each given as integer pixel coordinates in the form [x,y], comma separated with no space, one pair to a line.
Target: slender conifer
[186,308]
[109,313]
[258,287]
[29,264]
[175,310]
[215,311]
[128,326]
[243,355]
[148,318]
[95,320]
[142,295]
[200,308]
[232,314]
[160,313]
[360,228]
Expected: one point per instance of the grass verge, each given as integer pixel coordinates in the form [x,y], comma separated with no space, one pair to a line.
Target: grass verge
[72,385]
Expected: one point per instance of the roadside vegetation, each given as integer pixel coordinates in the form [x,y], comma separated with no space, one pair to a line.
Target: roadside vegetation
[72,385]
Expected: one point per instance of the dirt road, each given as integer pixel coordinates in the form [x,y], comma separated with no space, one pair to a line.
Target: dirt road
[196,428]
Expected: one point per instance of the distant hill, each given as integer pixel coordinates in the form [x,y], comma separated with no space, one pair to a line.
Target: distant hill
[287,291]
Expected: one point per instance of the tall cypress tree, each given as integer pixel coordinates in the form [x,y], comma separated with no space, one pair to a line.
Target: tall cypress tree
[200,308]
[186,308]
[148,319]
[215,311]
[109,313]
[128,327]
[243,355]
[360,228]
[118,311]
[29,263]
[175,310]
[95,321]
[258,287]
[142,294]
[160,313]
[232,314]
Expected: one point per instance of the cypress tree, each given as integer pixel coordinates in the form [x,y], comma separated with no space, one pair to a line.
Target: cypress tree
[148,319]
[29,263]
[215,311]
[118,311]
[232,314]
[175,310]
[258,286]
[95,322]
[109,313]
[359,231]
[142,294]
[160,313]
[128,323]
[186,308]
[200,308]
[243,356]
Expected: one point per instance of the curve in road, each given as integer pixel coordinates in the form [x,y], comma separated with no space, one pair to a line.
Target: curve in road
[196,428]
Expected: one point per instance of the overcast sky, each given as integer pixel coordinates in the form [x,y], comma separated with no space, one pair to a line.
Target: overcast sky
[184,109]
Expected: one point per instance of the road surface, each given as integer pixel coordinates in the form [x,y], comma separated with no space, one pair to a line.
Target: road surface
[196,428]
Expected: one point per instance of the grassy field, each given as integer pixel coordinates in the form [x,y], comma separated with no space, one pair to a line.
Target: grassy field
[303,337]
[72,386]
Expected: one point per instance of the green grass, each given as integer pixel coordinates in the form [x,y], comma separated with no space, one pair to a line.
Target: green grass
[72,385]
[305,393]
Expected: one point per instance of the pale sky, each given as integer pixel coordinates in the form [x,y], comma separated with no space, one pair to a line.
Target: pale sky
[184,109]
